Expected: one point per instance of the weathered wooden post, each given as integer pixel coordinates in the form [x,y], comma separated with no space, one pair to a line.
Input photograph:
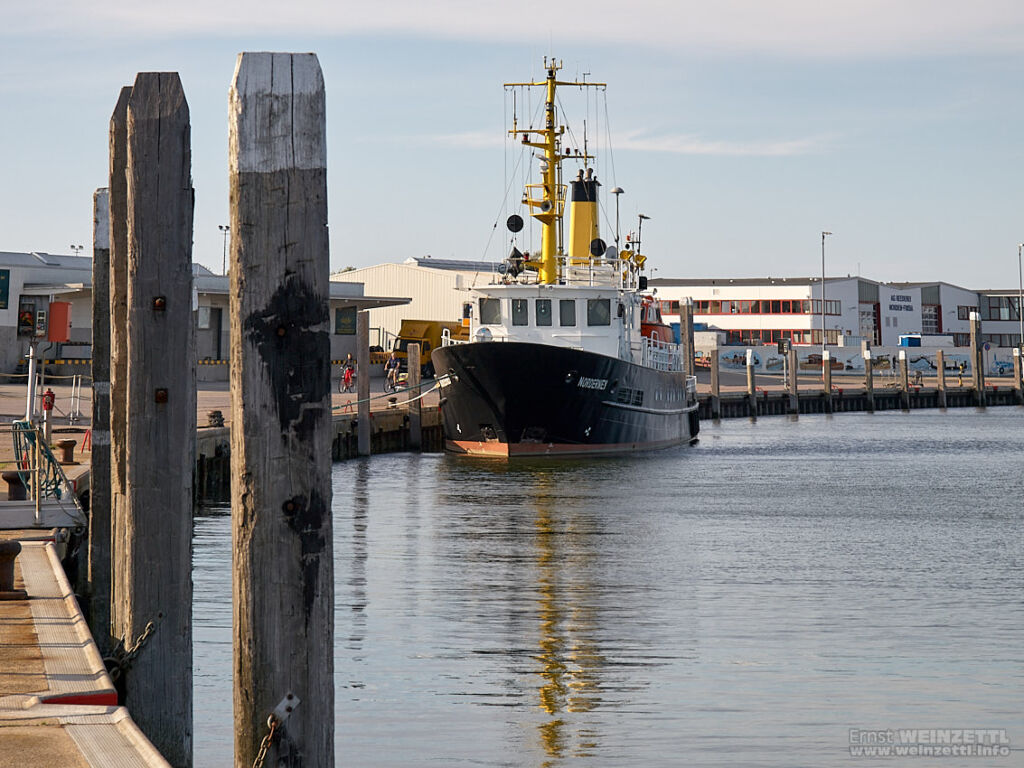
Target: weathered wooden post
[940,379]
[869,381]
[904,381]
[791,372]
[99,485]
[1017,386]
[826,379]
[281,412]
[716,390]
[686,334]
[415,411]
[751,386]
[118,288]
[156,608]
[977,361]
[363,425]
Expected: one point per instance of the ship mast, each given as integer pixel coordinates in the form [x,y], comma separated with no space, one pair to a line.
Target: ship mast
[547,199]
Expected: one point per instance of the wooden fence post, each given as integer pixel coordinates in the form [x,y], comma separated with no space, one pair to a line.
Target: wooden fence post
[869,380]
[940,381]
[751,386]
[686,335]
[281,411]
[118,287]
[1017,386]
[99,465]
[363,425]
[977,361]
[415,410]
[716,387]
[826,379]
[161,428]
[904,381]
[794,395]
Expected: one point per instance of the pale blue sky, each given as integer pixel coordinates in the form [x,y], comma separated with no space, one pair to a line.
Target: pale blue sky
[742,128]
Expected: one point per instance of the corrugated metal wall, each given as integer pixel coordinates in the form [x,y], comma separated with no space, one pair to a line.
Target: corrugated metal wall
[435,293]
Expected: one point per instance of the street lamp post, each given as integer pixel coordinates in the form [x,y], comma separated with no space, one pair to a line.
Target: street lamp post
[225,228]
[77,249]
[823,234]
[1020,297]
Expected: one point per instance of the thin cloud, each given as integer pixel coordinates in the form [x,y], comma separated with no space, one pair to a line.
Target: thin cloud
[787,27]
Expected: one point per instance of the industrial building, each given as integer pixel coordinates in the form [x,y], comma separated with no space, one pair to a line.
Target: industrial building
[31,282]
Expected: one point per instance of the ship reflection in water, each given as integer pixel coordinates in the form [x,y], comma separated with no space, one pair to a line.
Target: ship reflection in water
[570,663]
[702,606]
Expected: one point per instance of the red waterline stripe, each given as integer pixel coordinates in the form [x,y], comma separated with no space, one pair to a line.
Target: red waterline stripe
[99,698]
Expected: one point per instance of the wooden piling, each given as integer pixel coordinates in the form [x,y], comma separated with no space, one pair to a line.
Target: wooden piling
[99,486]
[869,381]
[904,381]
[977,361]
[415,409]
[363,383]
[826,379]
[161,424]
[281,412]
[686,335]
[716,390]
[940,380]
[1018,387]
[791,373]
[118,288]
[751,385]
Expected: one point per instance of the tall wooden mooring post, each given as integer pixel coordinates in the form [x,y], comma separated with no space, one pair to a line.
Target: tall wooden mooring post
[155,356]
[281,412]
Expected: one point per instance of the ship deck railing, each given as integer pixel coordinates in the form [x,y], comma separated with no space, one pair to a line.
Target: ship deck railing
[660,355]
[447,340]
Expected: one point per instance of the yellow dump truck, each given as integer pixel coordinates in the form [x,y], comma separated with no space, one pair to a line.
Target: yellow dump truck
[426,333]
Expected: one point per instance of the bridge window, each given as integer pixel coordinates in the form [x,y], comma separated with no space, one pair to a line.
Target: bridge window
[543,310]
[599,312]
[567,312]
[520,313]
[490,312]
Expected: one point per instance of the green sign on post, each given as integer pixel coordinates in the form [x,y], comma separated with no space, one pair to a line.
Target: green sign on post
[345,321]
[5,287]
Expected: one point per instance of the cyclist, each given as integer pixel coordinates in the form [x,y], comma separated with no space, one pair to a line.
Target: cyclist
[348,373]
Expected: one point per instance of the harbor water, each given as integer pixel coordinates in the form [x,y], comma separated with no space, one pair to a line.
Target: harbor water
[750,600]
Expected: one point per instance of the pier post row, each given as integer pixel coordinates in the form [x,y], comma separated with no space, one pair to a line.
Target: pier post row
[716,388]
[869,381]
[99,493]
[281,412]
[792,378]
[156,603]
[940,377]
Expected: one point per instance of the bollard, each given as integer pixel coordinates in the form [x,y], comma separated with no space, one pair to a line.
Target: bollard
[67,451]
[9,550]
[16,490]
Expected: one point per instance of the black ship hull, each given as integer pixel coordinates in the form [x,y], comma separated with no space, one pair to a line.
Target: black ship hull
[525,399]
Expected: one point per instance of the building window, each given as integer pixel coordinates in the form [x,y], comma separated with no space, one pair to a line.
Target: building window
[543,310]
[599,312]
[490,312]
[961,339]
[964,312]
[566,312]
[520,313]
[930,318]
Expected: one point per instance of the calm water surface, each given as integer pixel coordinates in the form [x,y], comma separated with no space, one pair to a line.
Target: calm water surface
[744,602]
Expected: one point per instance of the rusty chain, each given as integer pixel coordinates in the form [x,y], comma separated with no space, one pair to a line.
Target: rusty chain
[265,744]
[121,659]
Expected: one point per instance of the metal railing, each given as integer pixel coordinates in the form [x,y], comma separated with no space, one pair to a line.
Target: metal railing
[660,355]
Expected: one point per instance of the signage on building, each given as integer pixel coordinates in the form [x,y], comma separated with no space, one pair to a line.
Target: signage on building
[900,302]
[345,321]
[5,287]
